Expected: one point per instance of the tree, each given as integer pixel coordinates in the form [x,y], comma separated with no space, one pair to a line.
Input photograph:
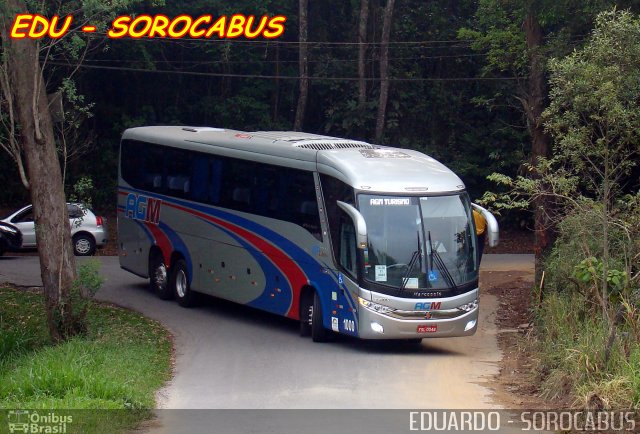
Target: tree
[384,70]
[518,38]
[26,88]
[303,62]
[362,51]
[30,140]
[593,115]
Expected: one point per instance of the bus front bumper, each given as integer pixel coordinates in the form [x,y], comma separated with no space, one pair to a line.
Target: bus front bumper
[374,325]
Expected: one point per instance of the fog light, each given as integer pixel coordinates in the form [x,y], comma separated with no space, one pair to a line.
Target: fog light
[471,324]
[377,327]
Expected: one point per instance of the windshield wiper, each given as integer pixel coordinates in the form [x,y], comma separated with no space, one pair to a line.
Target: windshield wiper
[441,265]
[414,258]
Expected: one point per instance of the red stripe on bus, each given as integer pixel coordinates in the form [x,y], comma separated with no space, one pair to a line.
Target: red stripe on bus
[162,241]
[293,273]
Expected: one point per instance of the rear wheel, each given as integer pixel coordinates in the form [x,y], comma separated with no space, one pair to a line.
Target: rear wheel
[158,277]
[84,245]
[318,332]
[180,284]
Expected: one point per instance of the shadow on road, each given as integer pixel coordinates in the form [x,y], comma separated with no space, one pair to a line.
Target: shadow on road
[254,318]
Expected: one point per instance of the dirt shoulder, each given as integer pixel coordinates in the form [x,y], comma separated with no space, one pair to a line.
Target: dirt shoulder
[515,386]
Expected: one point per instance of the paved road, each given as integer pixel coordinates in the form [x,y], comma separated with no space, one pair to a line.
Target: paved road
[233,357]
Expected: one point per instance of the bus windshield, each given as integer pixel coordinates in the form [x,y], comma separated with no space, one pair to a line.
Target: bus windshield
[419,242]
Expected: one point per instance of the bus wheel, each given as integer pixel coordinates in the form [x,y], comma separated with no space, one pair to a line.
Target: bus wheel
[318,332]
[158,277]
[180,284]
[306,316]
[415,341]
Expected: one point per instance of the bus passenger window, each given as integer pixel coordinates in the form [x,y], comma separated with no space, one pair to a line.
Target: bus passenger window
[200,179]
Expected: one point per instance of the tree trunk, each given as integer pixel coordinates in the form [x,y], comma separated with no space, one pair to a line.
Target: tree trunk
[57,263]
[362,50]
[534,105]
[303,62]
[384,70]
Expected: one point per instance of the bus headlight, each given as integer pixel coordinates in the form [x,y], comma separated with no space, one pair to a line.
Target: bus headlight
[380,308]
[469,306]
[377,328]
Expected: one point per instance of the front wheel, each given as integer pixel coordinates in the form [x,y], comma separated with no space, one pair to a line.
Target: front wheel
[180,284]
[318,332]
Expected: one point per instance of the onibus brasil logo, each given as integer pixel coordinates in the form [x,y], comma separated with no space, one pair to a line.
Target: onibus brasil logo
[26,421]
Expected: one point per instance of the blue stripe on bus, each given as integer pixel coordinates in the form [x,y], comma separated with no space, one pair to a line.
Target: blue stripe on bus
[281,301]
[178,246]
[322,281]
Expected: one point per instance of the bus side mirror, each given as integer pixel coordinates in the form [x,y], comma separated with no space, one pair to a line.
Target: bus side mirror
[358,222]
[493,231]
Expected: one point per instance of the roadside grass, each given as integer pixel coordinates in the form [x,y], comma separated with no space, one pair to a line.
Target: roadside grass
[570,349]
[118,365]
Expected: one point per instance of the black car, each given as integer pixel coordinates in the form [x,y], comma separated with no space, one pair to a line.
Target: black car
[10,238]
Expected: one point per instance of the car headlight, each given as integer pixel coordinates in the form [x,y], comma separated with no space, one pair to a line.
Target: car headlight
[380,308]
[469,306]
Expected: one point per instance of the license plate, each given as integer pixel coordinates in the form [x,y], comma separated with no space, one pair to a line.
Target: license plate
[428,328]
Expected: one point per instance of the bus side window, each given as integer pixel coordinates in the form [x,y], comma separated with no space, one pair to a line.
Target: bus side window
[216,180]
[335,190]
[179,166]
[200,179]
[302,202]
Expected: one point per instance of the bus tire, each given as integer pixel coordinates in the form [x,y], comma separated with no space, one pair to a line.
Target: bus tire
[415,341]
[318,332]
[306,316]
[159,277]
[179,284]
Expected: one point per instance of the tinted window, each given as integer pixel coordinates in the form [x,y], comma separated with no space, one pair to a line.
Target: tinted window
[335,190]
[74,211]
[270,191]
[24,216]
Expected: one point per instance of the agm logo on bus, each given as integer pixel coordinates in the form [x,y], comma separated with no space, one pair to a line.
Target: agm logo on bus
[429,305]
[143,208]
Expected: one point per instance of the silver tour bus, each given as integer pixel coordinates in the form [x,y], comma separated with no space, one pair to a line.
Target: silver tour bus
[341,235]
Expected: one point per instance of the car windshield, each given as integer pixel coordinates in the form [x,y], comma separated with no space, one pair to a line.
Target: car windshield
[419,242]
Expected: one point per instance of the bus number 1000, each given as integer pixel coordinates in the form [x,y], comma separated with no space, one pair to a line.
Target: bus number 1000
[349,325]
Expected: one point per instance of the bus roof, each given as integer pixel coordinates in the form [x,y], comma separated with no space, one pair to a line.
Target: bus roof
[362,165]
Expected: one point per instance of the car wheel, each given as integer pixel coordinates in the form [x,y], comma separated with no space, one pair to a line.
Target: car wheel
[318,332]
[180,284]
[84,245]
[159,277]
[306,316]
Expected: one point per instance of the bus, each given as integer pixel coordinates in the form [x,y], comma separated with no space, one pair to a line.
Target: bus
[341,235]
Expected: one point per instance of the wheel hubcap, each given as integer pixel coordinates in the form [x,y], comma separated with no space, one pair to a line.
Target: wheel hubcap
[181,284]
[161,276]
[83,245]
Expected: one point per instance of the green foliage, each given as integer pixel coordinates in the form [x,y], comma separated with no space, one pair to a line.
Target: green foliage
[82,191]
[569,355]
[594,105]
[591,269]
[119,364]
[71,313]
